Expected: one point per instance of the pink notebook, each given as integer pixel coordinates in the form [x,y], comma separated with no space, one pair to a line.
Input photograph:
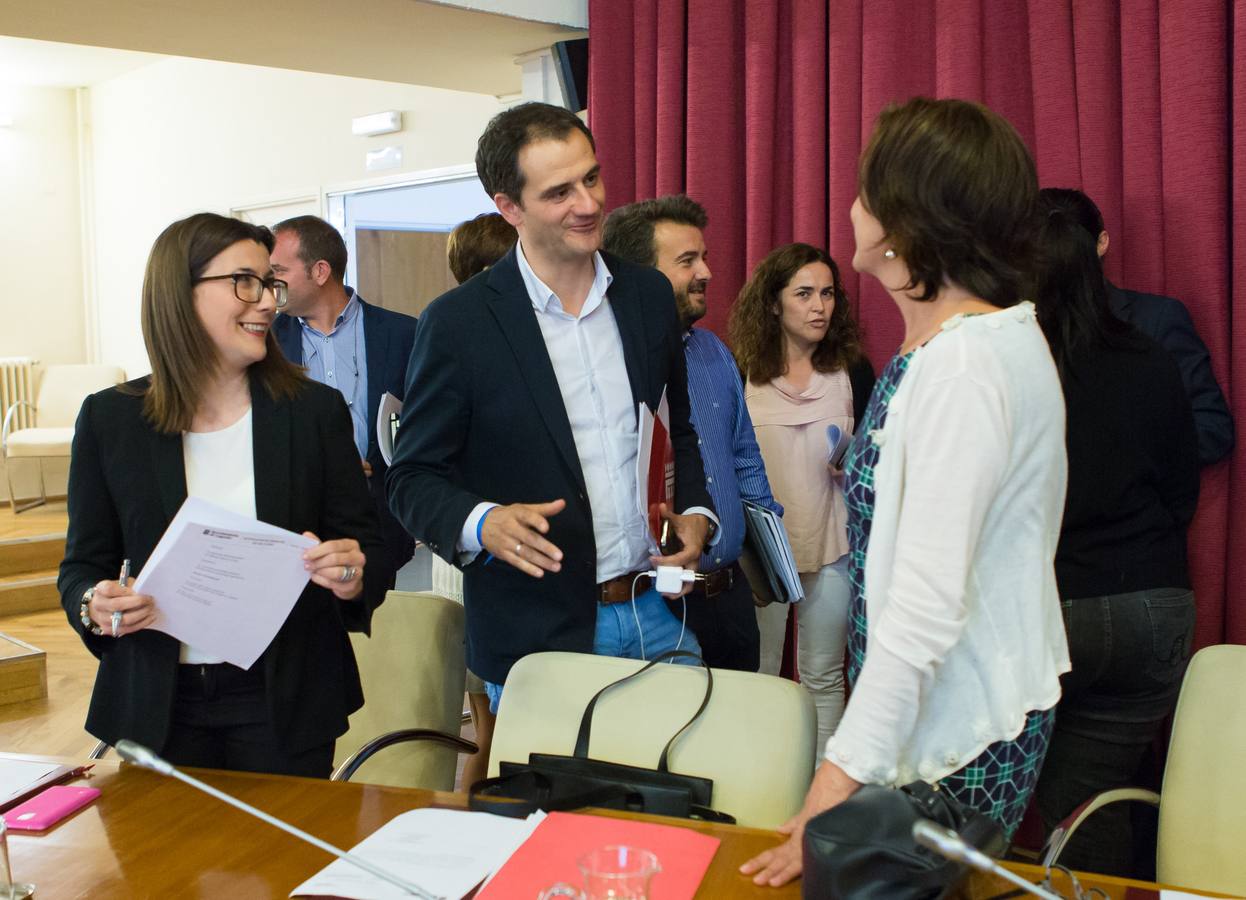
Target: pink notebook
[550,855]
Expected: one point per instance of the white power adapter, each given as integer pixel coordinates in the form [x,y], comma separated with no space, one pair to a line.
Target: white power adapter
[671,579]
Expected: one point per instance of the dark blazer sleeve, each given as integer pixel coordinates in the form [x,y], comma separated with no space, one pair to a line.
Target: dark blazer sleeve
[861,379]
[93,543]
[347,510]
[435,413]
[1167,322]
[1212,418]
[1179,486]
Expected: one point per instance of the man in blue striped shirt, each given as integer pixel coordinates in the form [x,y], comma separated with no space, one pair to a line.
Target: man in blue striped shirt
[668,234]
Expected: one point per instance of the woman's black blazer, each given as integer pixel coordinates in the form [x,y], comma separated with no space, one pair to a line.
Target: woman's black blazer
[126,482]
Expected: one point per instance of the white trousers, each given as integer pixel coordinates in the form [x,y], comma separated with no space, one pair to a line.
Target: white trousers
[822,622]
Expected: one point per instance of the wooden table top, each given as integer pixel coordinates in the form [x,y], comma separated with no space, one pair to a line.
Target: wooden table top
[151,836]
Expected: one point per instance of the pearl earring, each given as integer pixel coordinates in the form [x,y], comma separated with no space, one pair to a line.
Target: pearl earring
[889,253]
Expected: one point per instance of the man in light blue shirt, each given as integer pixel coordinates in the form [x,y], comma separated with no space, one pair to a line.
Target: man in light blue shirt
[668,234]
[360,349]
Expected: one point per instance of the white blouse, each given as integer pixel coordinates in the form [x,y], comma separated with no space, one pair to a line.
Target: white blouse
[965,632]
[220,468]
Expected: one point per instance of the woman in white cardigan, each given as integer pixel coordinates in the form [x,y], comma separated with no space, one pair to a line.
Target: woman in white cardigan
[955,483]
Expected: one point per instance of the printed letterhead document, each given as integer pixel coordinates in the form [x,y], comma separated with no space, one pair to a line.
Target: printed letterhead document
[224,583]
[447,852]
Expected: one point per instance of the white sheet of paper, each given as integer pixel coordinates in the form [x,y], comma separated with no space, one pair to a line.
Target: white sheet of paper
[445,851]
[224,583]
[19,774]
[389,405]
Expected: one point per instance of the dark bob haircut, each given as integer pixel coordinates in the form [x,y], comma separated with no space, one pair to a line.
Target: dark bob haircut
[478,243]
[955,190]
[755,331]
[497,151]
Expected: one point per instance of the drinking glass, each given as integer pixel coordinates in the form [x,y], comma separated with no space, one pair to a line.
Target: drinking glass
[611,873]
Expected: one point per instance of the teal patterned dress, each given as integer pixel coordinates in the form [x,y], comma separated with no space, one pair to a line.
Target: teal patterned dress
[1001,779]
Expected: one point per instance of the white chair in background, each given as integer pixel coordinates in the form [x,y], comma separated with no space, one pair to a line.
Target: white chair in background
[61,392]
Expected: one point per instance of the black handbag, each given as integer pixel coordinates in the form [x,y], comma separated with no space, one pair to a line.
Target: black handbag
[552,782]
[864,848]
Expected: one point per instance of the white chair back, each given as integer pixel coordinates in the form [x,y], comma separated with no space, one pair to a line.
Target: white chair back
[755,739]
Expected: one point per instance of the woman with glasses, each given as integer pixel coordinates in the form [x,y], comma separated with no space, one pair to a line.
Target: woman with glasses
[226,418]
[954,483]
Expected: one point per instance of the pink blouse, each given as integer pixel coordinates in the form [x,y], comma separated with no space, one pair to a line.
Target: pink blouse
[791,431]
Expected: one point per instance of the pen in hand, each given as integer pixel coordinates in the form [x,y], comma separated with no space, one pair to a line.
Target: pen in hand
[123,580]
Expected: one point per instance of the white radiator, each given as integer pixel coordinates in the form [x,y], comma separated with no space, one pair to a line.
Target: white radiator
[17,382]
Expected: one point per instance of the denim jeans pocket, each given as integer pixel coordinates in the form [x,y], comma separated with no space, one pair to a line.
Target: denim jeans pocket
[1171,613]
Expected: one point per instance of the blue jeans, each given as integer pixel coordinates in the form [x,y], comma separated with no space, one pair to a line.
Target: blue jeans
[642,629]
[1129,653]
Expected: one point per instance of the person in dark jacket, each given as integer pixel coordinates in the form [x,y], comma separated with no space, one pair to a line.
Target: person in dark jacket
[225,417]
[1121,562]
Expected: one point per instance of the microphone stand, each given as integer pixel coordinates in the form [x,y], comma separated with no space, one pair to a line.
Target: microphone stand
[144,758]
[950,845]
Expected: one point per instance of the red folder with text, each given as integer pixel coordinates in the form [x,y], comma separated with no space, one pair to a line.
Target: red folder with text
[549,855]
[655,463]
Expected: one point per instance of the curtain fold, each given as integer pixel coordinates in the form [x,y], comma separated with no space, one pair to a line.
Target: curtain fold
[759,110]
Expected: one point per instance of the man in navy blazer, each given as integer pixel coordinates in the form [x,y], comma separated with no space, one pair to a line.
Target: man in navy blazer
[1166,321]
[360,349]
[517,457]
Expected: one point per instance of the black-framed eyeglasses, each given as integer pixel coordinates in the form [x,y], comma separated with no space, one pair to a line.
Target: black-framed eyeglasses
[250,288]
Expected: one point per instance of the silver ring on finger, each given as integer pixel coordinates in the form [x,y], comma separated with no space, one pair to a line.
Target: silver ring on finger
[519,549]
[348,573]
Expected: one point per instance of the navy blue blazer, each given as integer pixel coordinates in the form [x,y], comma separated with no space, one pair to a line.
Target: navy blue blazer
[388,337]
[1167,322]
[484,419]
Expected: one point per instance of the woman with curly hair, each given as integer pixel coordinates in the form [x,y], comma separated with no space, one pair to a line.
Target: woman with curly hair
[800,352]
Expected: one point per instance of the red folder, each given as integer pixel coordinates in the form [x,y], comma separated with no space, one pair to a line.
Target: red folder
[549,855]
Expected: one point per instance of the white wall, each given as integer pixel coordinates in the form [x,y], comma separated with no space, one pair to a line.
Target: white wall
[184,135]
[40,230]
[40,242]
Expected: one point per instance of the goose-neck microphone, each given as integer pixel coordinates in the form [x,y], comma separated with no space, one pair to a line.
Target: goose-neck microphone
[141,756]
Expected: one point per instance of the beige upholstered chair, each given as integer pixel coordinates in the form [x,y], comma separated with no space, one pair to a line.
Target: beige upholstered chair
[1202,808]
[61,392]
[412,671]
[755,739]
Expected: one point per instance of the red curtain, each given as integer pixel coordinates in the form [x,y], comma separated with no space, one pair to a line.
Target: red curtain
[759,109]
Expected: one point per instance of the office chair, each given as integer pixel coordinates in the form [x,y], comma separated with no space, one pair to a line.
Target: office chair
[755,739]
[1202,804]
[412,671]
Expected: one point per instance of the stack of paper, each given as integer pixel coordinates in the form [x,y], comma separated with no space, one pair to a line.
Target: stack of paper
[447,852]
[224,583]
[769,539]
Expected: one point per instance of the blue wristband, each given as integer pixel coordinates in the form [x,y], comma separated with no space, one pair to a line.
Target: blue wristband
[480,524]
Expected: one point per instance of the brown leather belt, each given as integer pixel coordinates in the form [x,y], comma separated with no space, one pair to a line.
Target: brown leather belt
[719,582]
[619,590]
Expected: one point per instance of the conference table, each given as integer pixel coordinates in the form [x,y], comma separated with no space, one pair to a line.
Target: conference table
[147,835]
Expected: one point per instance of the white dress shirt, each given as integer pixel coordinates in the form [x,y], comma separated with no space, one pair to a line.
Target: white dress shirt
[586,352]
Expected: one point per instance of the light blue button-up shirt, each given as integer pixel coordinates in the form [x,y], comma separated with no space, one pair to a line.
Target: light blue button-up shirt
[586,352]
[340,359]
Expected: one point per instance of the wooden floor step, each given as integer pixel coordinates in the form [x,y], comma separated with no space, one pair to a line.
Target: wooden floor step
[28,592]
[23,671]
[31,554]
